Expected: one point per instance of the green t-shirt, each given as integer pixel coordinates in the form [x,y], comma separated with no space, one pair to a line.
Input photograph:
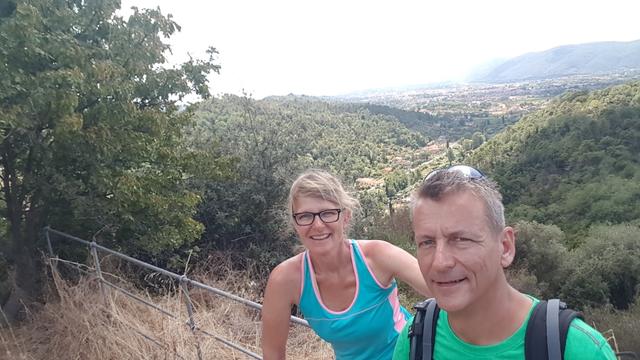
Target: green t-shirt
[583,343]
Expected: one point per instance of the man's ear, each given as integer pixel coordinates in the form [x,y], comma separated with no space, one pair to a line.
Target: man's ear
[507,246]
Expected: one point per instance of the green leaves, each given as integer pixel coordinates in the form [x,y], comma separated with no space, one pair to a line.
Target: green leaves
[572,164]
[90,132]
[273,140]
[606,267]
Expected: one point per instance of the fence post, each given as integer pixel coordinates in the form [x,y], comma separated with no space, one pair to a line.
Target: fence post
[191,323]
[96,261]
[54,268]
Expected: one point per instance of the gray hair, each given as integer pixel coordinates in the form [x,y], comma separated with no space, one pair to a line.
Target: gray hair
[445,182]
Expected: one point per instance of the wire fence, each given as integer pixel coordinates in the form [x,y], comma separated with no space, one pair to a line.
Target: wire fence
[183,280]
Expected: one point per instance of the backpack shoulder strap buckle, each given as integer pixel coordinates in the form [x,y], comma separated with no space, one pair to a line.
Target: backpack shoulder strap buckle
[415,329]
[422,330]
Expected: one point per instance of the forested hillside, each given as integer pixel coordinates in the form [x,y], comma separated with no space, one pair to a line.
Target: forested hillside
[347,139]
[422,122]
[574,163]
[273,140]
[570,174]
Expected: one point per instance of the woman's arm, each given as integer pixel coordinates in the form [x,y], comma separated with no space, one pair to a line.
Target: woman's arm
[392,261]
[279,296]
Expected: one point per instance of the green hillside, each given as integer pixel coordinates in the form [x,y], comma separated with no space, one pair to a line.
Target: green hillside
[424,123]
[573,164]
[271,141]
[345,138]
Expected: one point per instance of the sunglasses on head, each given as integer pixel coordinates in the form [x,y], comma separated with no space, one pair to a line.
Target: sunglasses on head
[465,170]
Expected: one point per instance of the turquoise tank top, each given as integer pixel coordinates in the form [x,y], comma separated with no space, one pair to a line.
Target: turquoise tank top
[369,327]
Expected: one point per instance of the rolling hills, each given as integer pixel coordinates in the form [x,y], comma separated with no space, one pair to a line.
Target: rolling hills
[582,59]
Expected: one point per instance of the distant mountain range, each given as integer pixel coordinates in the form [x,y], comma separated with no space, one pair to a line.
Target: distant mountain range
[590,58]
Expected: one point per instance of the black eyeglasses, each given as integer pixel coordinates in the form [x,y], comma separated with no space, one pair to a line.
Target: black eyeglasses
[465,170]
[327,216]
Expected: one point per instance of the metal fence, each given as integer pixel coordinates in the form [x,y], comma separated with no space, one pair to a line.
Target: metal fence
[183,280]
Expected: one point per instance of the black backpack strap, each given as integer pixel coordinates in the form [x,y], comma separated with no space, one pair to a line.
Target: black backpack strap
[549,320]
[415,330]
[429,330]
[535,340]
[422,330]
[566,317]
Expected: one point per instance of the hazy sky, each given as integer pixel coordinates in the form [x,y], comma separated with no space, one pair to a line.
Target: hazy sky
[333,47]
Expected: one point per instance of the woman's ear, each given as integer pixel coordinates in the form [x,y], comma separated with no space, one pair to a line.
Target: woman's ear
[346,217]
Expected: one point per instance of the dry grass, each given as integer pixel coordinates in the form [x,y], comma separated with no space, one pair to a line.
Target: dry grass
[79,323]
[624,325]
[82,324]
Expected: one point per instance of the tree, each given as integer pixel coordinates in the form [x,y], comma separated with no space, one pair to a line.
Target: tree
[451,156]
[394,183]
[90,129]
[477,139]
[244,215]
[540,251]
[606,268]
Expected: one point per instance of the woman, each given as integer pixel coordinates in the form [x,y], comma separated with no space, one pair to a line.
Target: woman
[345,288]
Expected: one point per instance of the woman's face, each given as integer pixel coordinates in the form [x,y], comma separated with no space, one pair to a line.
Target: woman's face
[319,234]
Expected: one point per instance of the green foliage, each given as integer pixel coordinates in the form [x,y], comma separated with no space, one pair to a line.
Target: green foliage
[606,267]
[451,157]
[274,140]
[477,139]
[437,116]
[421,122]
[396,182]
[525,282]
[245,212]
[540,251]
[573,163]
[91,134]
[372,202]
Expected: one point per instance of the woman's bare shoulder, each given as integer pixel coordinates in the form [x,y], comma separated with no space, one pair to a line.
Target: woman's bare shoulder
[286,276]
[288,268]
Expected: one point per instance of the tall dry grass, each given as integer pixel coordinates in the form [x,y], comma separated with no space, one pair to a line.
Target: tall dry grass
[623,326]
[80,323]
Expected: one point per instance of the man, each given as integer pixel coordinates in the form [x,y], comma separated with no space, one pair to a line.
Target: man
[463,247]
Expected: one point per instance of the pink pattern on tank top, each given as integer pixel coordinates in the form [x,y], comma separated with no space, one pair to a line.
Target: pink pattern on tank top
[398,317]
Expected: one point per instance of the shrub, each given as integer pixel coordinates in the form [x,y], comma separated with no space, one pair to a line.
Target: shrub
[606,267]
[541,253]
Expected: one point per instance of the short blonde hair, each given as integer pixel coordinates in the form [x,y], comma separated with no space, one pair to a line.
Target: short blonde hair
[320,184]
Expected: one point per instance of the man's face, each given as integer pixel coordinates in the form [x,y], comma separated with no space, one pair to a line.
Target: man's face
[461,258]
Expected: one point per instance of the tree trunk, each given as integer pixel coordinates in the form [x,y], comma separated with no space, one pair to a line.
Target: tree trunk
[27,285]
[23,230]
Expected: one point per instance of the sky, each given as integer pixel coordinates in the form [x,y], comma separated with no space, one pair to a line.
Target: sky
[335,47]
